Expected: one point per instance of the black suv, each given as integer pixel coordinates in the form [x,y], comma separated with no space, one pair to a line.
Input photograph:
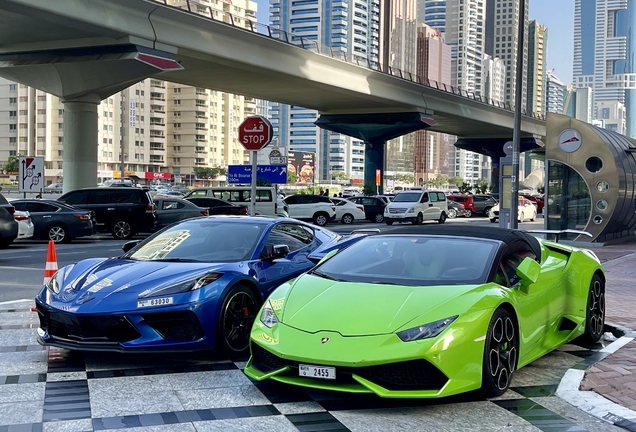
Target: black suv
[123,212]
[8,225]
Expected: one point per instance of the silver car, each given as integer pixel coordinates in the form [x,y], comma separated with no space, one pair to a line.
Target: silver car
[171,210]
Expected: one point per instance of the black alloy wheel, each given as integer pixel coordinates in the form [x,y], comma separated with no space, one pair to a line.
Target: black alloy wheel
[595,311]
[379,217]
[122,229]
[500,354]
[237,316]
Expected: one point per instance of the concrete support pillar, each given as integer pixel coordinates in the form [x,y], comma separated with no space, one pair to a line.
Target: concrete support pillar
[80,142]
[374,160]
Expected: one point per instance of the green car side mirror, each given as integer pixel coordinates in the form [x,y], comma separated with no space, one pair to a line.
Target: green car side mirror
[528,271]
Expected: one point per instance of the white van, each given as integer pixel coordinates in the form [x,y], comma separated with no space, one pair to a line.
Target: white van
[416,206]
[266,198]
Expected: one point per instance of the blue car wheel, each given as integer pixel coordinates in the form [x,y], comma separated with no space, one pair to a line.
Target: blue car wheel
[238,312]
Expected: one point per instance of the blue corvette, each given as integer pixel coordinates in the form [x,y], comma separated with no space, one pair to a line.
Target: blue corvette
[197,284]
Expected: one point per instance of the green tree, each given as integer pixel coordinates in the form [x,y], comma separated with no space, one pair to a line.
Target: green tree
[456,180]
[369,189]
[406,178]
[437,182]
[12,164]
[209,173]
[482,186]
[465,188]
[339,176]
[262,182]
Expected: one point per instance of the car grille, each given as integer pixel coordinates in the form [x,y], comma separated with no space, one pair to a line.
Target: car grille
[178,325]
[94,328]
[396,210]
[407,375]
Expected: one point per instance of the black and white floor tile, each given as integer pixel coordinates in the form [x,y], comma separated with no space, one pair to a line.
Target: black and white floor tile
[51,390]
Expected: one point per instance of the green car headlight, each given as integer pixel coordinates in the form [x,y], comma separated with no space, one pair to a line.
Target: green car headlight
[268,316]
[425,331]
[182,286]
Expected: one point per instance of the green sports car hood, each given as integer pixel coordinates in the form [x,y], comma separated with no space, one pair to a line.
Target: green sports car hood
[355,309]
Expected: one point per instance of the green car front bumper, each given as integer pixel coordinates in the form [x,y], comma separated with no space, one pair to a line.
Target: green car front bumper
[380,364]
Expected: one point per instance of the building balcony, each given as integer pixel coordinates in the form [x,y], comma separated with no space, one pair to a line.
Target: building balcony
[158,98]
[156,160]
[157,124]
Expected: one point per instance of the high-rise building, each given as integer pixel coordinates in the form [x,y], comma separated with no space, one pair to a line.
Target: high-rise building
[537,67]
[501,35]
[398,46]
[613,115]
[604,52]
[494,70]
[555,91]
[432,13]
[348,28]
[584,104]
[432,149]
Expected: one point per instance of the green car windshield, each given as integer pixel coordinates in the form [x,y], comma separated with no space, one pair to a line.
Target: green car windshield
[413,260]
[206,240]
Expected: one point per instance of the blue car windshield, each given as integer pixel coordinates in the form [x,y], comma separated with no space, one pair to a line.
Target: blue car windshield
[206,240]
[413,260]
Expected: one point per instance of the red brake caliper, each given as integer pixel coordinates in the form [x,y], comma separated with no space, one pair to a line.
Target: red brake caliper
[246,313]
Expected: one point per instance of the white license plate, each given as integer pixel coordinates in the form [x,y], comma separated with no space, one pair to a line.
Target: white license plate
[155,302]
[322,372]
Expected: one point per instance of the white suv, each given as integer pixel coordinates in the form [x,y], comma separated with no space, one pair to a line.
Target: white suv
[416,206]
[317,208]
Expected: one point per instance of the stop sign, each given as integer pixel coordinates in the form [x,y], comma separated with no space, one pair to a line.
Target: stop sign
[255,132]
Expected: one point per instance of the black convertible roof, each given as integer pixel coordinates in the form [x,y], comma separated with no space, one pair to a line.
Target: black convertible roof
[505,235]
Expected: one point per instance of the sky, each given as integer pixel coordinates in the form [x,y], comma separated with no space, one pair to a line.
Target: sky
[556,15]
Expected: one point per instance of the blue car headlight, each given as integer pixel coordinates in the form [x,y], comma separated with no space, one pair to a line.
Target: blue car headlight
[425,331]
[181,286]
[57,280]
[268,316]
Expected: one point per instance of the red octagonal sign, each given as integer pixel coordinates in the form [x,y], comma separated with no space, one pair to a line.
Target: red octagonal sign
[255,132]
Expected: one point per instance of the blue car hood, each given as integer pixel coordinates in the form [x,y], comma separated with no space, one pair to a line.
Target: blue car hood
[119,280]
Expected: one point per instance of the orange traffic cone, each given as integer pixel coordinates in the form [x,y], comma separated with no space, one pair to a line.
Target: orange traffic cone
[51,263]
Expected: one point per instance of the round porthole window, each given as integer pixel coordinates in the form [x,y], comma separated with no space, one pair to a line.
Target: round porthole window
[601,205]
[602,186]
[598,220]
[594,164]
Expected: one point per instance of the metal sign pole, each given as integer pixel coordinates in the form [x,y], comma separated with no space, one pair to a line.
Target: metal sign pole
[516,137]
[254,177]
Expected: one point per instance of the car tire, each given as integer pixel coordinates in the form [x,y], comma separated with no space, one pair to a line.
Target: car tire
[534,216]
[347,219]
[389,223]
[379,218]
[595,310]
[442,218]
[237,314]
[486,210]
[419,219]
[493,220]
[467,213]
[321,219]
[58,234]
[122,229]
[452,213]
[501,349]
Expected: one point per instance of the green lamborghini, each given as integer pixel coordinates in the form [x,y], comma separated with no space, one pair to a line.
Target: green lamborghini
[428,312]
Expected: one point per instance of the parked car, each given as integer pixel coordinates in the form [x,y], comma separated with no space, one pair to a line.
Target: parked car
[25,224]
[266,197]
[417,206]
[316,208]
[54,220]
[347,211]
[483,203]
[373,207]
[169,193]
[195,285]
[428,313]
[538,201]
[8,224]
[456,209]
[525,210]
[171,210]
[465,200]
[386,198]
[123,212]
[54,188]
[217,206]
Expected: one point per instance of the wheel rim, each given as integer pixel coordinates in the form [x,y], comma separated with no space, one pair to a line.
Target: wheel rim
[321,220]
[238,317]
[347,219]
[56,234]
[502,356]
[452,213]
[122,229]
[379,217]
[597,308]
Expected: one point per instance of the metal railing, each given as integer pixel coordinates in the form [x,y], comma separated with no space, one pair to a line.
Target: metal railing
[202,9]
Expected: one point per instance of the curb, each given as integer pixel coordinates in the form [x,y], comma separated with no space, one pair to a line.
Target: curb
[590,401]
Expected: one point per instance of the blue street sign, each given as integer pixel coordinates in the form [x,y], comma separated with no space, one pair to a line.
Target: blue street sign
[242,174]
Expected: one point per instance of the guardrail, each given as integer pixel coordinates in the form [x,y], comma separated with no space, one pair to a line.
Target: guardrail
[203,9]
